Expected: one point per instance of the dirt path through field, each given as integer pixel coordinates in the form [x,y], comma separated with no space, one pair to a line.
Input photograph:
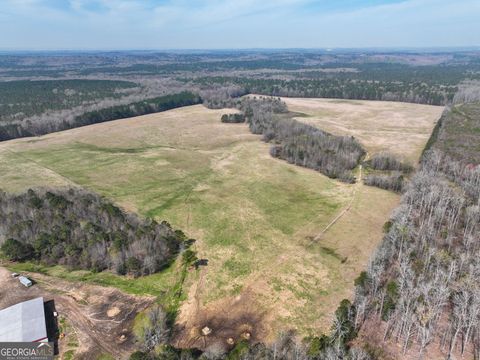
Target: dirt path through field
[355,191]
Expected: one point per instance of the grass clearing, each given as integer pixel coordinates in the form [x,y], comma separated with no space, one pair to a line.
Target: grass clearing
[157,284]
[253,216]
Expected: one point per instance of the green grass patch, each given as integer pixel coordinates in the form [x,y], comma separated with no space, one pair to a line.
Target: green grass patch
[69,355]
[105,357]
[330,252]
[238,268]
[157,284]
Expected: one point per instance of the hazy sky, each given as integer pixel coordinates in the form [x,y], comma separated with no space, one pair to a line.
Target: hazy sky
[176,24]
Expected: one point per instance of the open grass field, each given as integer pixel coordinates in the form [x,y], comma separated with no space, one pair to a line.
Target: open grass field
[255,218]
[401,128]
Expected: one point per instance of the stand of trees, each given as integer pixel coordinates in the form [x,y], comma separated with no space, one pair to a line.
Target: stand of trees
[468,92]
[233,118]
[389,173]
[81,230]
[393,182]
[422,281]
[305,145]
[388,162]
[219,96]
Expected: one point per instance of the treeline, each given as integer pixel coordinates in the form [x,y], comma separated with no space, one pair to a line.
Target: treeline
[422,281]
[46,123]
[458,133]
[342,88]
[305,145]
[468,92]
[219,96]
[81,230]
[298,143]
[149,106]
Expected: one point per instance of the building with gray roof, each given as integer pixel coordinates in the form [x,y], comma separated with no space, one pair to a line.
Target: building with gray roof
[24,322]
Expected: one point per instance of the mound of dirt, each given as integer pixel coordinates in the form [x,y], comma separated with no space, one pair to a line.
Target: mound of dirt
[221,325]
[113,311]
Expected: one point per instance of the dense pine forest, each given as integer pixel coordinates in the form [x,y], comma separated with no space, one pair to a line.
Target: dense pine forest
[24,98]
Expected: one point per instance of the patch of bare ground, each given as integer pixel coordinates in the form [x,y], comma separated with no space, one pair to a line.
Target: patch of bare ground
[223,324]
[101,318]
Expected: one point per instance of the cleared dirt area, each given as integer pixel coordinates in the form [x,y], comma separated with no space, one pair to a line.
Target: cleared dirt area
[255,218]
[94,320]
[400,128]
[224,323]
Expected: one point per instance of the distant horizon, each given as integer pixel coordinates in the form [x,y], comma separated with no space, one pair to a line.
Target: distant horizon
[96,25]
[425,49]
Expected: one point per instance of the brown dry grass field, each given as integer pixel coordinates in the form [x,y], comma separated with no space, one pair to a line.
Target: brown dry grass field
[254,217]
[400,128]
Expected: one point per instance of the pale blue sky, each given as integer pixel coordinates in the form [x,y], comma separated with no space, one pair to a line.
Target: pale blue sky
[212,24]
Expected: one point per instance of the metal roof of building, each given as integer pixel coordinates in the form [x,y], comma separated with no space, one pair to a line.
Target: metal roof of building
[24,321]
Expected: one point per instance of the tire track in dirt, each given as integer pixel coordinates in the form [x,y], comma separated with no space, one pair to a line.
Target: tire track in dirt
[85,326]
